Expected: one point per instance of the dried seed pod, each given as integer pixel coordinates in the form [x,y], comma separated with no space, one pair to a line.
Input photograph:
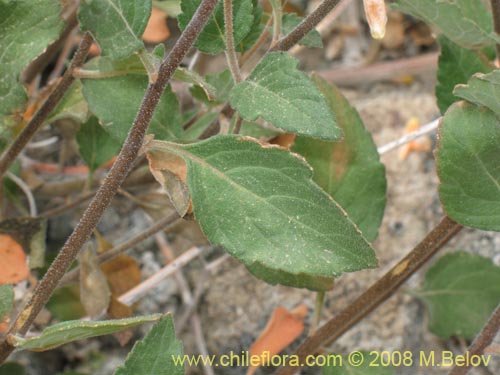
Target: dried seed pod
[376,15]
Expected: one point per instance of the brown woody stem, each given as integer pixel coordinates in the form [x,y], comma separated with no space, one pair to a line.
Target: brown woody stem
[377,293]
[116,176]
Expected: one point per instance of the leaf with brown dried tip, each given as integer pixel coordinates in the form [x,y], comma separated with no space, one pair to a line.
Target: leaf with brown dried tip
[282,329]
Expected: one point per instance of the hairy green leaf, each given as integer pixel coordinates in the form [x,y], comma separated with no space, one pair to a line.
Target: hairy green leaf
[195,131]
[349,170]
[212,38]
[260,203]
[115,100]
[466,22]
[281,94]
[461,291]
[221,82]
[312,38]
[6,299]
[155,353]
[482,89]
[26,29]
[95,144]
[456,65]
[189,76]
[65,332]
[255,30]
[358,363]
[467,160]
[117,25]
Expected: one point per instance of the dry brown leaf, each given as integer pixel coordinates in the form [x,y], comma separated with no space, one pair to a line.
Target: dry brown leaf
[282,329]
[94,290]
[156,30]
[171,172]
[376,15]
[118,310]
[284,140]
[13,267]
[122,273]
[395,31]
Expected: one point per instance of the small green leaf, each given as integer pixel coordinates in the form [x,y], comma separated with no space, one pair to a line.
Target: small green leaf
[156,353]
[255,30]
[467,22]
[281,94]
[65,303]
[467,159]
[357,363]
[221,82]
[12,368]
[189,76]
[456,65]
[65,332]
[73,105]
[117,25]
[115,100]
[461,291]
[27,27]
[6,300]
[171,7]
[95,144]
[212,38]
[195,131]
[312,38]
[482,89]
[260,203]
[349,170]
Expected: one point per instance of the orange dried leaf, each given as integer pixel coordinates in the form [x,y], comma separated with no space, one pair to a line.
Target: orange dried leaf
[376,15]
[284,140]
[122,273]
[156,30]
[282,329]
[13,267]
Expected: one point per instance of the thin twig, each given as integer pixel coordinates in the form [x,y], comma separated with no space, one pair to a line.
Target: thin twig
[26,190]
[485,338]
[377,293]
[307,24]
[495,8]
[135,294]
[232,59]
[114,179]
[409,137]
[34,124]
[68,205]
[162,224]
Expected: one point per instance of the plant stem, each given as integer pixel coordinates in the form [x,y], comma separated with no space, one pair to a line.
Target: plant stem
[232,59]
[72,276]
[378,292]
[113,180]
[495,8]
[307,24]
[484,339]
[237,124]
[277,14]
[148,65]
[34,124]
[318,307]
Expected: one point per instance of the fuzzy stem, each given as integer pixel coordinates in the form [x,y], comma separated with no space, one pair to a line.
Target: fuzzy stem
[54,98]
[307,24]
[377,293]
[114,179]
[484,339]
[232,59]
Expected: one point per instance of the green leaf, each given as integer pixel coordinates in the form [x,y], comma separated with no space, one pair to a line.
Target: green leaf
[255,30]
[189,76]
[466,22]
[341,365]
[73,105]
[195,131]
[155,354]
[65,332]
[461,291]
[456,65]
[281,94]
[222,84]
[117,25]
[212,38]
[65,303]
[171,7]
[482,89]
[95,144]
[116,100]
[6,300]
[467,159]
[260,203]
[12,368]
[26,29]
[312,38]
[349,170]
